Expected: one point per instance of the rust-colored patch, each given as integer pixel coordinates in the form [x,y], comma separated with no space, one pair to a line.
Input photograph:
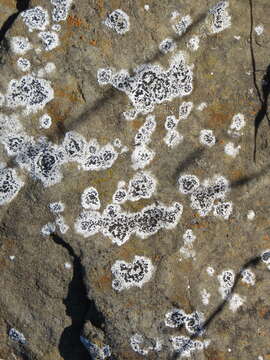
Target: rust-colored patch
[236,175]
[136,124]
[264,312]
[105,281]
[52,109]
[93,42]
[71,95]
[218,116]
[214,354]
[77,22]
[126,252]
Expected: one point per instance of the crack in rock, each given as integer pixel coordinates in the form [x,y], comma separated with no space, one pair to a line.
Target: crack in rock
[78,307]
[21,6]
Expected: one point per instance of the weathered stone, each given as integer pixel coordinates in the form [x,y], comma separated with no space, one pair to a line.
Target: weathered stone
[138,96]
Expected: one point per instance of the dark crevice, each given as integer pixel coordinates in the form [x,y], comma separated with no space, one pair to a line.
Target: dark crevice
[263,97]
[78,307]
[21,5]
[251,263]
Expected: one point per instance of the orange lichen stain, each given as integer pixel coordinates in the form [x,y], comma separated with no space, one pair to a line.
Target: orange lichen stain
[136,124]
[77,22]
[215,354]
[105,281]
[236,175]
[218,116]
[72,96]
[129,304]
[126,252]
[74,21]
[264,311]
[93,42]
[266,237]
[52,110]
[157,258]
[200,225]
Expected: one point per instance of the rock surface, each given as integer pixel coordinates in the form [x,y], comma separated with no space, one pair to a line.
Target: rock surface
[106,107]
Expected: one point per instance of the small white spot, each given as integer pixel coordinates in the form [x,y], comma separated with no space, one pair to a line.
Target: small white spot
[167,45]
[146,7]
[118,20]
[221,19]
[12,257]
[50,40]
[235,302]
[56,27]
[185,109]
[45,121]
[181,27]
[67,265]
[124,150]
[194,43]
[248,277]
[231,150]
[16,336]
[259,29]
[238,122]
[23,64]
[60,9]
[210,271]
[205,297]
[202,106]
[174,14]
[173,138]
[187,250]
[90,199]
[207,137]
[20,45]
[127,275]
[223,209]
[49,67]
[48,229]
[251,215]
[226,281]
[57,207]
[229,350]
[117,143]
[237,37]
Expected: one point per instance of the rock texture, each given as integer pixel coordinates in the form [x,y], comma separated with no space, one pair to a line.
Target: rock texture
[145,126]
